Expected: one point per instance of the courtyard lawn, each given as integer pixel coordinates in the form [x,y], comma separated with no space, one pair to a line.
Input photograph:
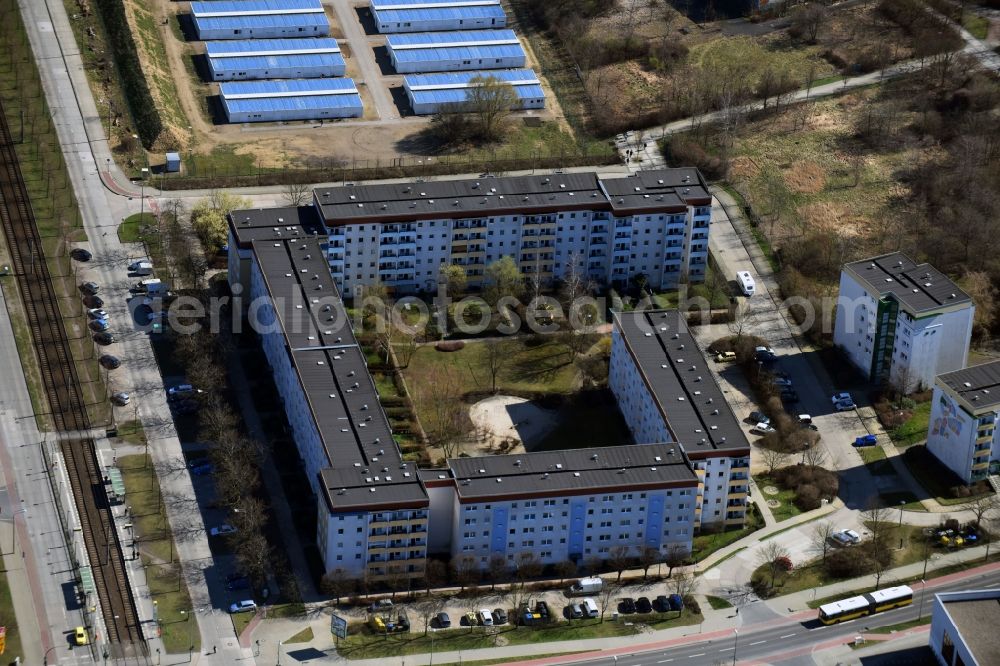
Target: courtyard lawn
[704,545]
[786,499]
[544,368]
[588,419]
[914,429]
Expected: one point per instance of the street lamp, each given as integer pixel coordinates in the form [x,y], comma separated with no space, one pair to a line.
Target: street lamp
[923,588]
[901,503]
[279,653]
[736,638]
[142,192]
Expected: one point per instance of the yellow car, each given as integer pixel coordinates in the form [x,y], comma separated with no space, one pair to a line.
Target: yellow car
[80,636]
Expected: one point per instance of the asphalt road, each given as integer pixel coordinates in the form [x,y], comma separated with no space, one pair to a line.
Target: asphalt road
[787,638]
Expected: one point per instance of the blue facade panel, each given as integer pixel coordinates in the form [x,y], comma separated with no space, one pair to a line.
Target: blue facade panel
[577,525]
[432,93]
[309,65]
[498,531]
[259,18]
[440,18]
[305,99]
[654,521]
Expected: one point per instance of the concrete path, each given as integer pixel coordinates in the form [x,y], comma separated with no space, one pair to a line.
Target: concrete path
[364,56]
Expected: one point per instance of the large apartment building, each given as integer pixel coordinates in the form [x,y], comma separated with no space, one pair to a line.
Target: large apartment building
[962,433]
[667,393]
[902,322]
[611,229]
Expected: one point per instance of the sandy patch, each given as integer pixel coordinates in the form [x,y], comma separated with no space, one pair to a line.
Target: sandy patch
[830,215]
[495,418]
[805,177]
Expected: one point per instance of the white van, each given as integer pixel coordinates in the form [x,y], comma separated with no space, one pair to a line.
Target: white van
[746,283]
[590,608]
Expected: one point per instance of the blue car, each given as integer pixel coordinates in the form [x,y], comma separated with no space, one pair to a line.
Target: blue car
[238,583]
[866,440]
[203,469]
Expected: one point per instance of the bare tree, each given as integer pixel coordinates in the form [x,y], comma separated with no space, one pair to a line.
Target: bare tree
[877,519]
[253,553]
[982,507]
[648,556]
[814,456]
[464,570]
[428,608]
[565,569]
[443,415]
[744,319]
[773,460]
[676,556]
[683,584]
[435,574]
[618,559]
[338,584]
[499,353]
[490,102]
[770,557]
[607,596]
[498,570]
[807,21]
[296,194]
[821,538]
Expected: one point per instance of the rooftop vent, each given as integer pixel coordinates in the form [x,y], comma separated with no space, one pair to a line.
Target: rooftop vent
[593,456]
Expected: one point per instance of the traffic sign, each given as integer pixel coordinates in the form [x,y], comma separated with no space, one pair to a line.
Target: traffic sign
[338,626]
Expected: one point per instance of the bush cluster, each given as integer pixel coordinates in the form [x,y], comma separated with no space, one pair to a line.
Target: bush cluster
[811,484]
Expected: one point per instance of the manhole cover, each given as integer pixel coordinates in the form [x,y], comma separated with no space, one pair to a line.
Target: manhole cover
[771,490]
[773,504]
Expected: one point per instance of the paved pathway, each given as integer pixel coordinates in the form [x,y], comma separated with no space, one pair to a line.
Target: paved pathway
[364,56]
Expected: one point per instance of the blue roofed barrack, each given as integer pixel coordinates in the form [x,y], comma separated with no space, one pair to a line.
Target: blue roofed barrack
[448,91]
[296,99]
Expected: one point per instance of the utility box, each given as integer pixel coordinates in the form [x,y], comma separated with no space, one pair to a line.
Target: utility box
[173,163]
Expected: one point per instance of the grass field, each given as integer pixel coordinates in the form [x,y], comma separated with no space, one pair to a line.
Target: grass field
[718,603]
[786,508]
[706,544]
[936,485]
[545,368]
[8,620]
[304,636]
[875,459]
[907,499]
[367,645]
[130,231]
[590,419]
[156,547]
[977,25]
[914,429]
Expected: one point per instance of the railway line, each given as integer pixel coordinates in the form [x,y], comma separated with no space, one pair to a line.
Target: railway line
[124,638]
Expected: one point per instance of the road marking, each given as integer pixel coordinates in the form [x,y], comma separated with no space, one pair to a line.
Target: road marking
[664,661]
[820,627]
[692,656]
[990,587]
[727,649]
[786,636]
[758,642]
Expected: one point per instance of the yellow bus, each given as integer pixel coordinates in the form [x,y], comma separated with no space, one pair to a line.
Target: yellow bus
[866,604]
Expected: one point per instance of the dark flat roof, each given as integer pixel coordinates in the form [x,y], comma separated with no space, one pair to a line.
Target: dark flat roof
[304,296]
[275,223]
[365,469]
[576,471]
[978,385]
[678,377]
[918,287]
[977,621]
[514,195]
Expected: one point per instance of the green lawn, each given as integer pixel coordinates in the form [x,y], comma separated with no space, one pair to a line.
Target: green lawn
[368,645]
[902,626]
[241,620]
[787,509]
[156,547]
[130,231]
[975,24]
[132,432]
[8,620]
[909,501]
[719,299]
[717,603]
[706,544]
[589,419]
[304,636]
[545,368]
[914,429]
[926,470]
[874,457]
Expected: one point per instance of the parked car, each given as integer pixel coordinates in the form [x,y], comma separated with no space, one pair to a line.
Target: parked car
[781,381]
[109,362]
[80,636]
[626,606]
[93,301]
[238,583]
[764,355]
[499,616]
[484,617]
[789,396]
[846,537]
[842,402]
[243,606]
[865,440]
[642,605]
[726,357]
[380,606]
[573,611]
[97,313]
[661,604]
[469,619]
[806,421]
[442,621]
[676,602]
[759,417]
[90,288]
[100,325]
[80,254]
[222,530]
[762,429]
[121,398]
[186,406]
[104,338]
[181,391]
[203,468]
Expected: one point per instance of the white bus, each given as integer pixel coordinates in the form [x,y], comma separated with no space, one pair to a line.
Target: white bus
[866,604]
[747,285]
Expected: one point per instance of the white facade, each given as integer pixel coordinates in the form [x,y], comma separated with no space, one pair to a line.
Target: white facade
[636,403]
[576,528]
[887,338]
[407,256]
[963,626]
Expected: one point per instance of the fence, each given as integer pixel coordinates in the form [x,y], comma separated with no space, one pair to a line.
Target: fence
[203,173]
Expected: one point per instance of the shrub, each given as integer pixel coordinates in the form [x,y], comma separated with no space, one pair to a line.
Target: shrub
[807,497]
[846,563]
[684,151]
[449,345]
[692,604]
[783,563]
